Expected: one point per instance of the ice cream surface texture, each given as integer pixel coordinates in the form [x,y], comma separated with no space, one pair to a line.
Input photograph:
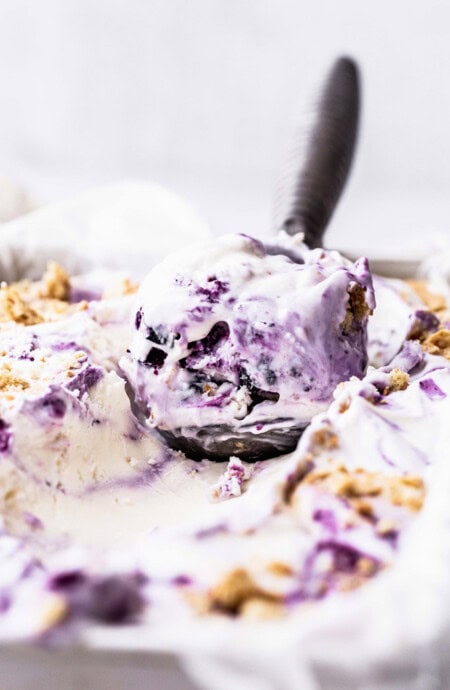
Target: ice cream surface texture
[103,523]
[240,336]
[73,456]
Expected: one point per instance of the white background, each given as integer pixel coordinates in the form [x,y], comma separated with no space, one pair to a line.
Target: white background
[204,96]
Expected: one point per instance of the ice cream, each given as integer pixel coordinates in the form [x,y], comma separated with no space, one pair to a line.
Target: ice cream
[236,339]
[75,463]
[103,524]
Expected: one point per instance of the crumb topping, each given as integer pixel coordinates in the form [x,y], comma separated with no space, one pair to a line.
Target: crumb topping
[261,609]
[366,568]
[433,301]
[55,283]
[9,380]
[280,569]
[399,381]
[55,609]
[357,307]
[325,439]
[29,303]
[14,308]
[385,526]
[358,487]
[438,343]
[237,588]
[344,406]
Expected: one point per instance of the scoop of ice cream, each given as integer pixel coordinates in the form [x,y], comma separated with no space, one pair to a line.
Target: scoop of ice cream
[249,336]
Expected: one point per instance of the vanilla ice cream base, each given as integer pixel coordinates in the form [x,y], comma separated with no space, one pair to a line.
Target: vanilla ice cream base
[114,489]
[75,465]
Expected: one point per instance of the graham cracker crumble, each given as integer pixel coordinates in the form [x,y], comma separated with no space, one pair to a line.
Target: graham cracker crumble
[357,308]
[325,439]
[14,308]
[322,439]
[280,569]
[385,526]
[54,611]
[237,588]
[358,487]
[28,303]
[260,609]
[344,406]
[303,468]
[399,381]
[438,343]
[208,389]
[8,380]
[433,301]
[55,283]
[366,568]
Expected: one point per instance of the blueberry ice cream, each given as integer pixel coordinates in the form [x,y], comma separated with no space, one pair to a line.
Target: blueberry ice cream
[242,339]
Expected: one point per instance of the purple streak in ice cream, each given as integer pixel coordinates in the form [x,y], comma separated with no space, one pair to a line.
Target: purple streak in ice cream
[5,436]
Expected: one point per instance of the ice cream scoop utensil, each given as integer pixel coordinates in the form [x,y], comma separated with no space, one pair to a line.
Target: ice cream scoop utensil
[320,166]
[322,170]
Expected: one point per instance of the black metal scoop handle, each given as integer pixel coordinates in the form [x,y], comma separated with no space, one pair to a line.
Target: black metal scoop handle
[326,157]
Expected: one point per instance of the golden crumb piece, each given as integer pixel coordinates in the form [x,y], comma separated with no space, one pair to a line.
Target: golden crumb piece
[432,300]
[363,507]
[438,343]
[357,308]
[385,526]
[350,582]
[10,499]
[412,480]
[408,492]
[343,406]
[261,609]
[13,308]
[235,588]
[325,439]
[358,302]
[55,283]
[399,381]
[360,488]
[82,306]
[280,569]
[366,566]
[287,489]
[128,287]
[54,611]
[8,380]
